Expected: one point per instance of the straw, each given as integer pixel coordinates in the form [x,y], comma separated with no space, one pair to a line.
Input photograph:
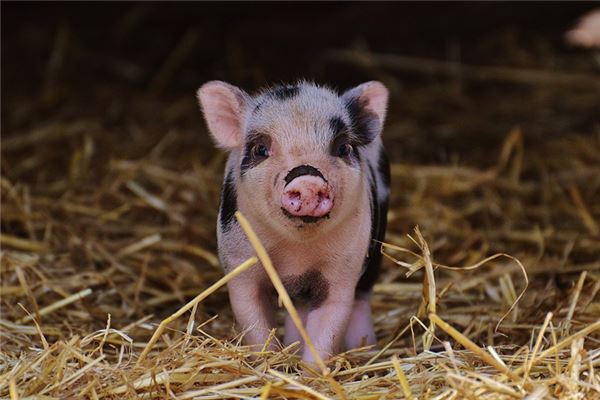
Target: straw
[57,305]
[402,379]
[214,287]
[466,342]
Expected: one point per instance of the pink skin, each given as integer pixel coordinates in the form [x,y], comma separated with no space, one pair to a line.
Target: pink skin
[360,331]
[307,195]
[326,325]
[291,332]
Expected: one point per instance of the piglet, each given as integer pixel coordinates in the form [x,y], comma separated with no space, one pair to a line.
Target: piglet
[308,169]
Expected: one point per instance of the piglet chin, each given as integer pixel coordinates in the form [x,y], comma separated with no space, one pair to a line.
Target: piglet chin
[307,196]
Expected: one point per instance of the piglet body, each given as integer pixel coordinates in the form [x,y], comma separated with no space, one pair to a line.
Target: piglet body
[307,168]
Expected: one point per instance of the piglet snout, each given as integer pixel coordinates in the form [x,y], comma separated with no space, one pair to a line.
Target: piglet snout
[307,196]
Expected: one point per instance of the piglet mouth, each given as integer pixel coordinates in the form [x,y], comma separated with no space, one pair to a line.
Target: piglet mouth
[307,219]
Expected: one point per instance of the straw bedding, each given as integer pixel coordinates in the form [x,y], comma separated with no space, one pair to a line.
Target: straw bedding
[108,221]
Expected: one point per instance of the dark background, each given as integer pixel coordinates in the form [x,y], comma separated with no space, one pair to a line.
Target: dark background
[120,61]
[256,43]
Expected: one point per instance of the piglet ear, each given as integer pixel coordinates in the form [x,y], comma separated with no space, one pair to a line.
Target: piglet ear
[367,105]
[224,107]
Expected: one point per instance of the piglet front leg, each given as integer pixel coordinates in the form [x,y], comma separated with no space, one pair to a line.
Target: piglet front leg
[252,308]
[327,324]
[292,334]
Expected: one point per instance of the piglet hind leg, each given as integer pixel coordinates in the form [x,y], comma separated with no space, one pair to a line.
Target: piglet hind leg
[360,331]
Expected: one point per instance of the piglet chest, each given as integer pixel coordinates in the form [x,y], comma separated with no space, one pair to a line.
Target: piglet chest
[307,290]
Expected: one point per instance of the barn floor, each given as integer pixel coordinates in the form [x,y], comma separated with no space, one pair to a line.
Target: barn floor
[110,186]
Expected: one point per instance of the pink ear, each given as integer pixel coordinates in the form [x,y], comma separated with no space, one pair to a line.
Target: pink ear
[367,105]
[373,96]
[224,107]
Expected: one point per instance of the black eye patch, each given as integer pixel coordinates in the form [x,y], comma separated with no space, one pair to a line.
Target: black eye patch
[256,151]
[337,126]
[365,124]
[344,145]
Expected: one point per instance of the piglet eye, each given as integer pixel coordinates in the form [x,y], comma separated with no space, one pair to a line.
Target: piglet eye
[344,150]
[259,150]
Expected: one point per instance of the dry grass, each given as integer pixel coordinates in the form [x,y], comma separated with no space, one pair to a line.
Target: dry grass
[72,261]
[104,238]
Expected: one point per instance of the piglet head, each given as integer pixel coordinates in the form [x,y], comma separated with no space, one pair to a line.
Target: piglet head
[298,152]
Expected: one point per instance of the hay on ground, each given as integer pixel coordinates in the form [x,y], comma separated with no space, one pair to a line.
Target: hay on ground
[489,287]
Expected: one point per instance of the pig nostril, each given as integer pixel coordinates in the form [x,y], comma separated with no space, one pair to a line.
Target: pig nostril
[307,196]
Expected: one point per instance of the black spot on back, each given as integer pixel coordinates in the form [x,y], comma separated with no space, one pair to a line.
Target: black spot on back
[284,92]
[228,202]
[365,124]
[383,166]
[372,263]
[308,290]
